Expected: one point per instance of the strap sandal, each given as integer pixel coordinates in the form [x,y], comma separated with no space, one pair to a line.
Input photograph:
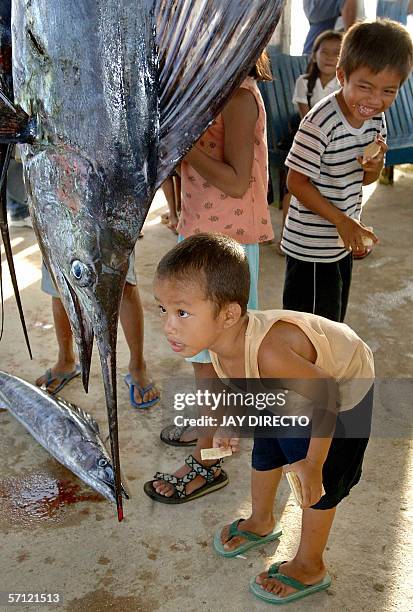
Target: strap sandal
[172,435]
[62,378]
[180,496]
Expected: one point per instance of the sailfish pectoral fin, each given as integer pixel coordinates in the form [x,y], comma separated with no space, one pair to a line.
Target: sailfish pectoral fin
[206,49]
[16,126]
[5,155]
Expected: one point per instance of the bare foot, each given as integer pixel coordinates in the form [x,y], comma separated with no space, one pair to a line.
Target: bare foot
[172,223]
[59,369]
[140,376]
[308,575]
[261,529]
[167,489]
[188,435]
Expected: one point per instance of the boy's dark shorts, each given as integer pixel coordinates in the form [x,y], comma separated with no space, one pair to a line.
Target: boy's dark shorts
[342,468]
[320,288]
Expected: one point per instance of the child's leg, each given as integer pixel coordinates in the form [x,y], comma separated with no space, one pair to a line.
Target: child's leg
[202,371]
[267,461]
[341,471]
[319,288]
[264,486]
[66,360]
[308,565]
[131,318]
[169,192]
[64,337]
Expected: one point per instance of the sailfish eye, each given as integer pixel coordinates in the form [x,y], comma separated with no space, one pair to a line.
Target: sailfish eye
[81,273]
[77,269]
[102,462]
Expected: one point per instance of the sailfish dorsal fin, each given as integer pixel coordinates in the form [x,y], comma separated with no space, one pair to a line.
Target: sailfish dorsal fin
[206,48]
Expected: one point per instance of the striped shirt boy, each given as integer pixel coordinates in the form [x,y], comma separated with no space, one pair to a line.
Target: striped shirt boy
[325,149]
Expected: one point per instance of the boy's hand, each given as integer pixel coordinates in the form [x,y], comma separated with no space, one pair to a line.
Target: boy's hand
[311,479]
[352,234]
[373,164]
[220,442]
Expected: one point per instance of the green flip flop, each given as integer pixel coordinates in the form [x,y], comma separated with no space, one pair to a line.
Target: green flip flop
[302,589]
[254,540]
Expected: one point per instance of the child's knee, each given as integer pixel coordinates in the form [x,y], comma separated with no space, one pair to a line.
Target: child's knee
[267,455]
[129,291]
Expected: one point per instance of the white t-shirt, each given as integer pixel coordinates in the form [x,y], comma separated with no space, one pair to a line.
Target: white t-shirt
[319,92]
[325,149]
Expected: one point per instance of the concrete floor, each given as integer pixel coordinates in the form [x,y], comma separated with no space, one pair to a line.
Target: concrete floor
[58,536]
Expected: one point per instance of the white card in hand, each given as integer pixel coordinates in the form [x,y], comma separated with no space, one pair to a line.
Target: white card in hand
[372,150]
[207,454]
[295,486]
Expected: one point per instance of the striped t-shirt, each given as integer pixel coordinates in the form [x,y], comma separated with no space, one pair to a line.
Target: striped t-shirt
[325,149]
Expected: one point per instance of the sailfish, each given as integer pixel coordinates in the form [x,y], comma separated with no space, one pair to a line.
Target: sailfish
[116,92]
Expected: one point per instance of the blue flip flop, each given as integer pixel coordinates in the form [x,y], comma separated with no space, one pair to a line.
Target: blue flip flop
[302,589]
[254,540]
[62,378]
[141,390]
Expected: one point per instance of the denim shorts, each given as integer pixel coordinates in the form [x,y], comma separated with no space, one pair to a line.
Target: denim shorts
[49,287]
[342,468]
[252,252]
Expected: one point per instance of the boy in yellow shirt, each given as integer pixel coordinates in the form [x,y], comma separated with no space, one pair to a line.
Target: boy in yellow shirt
[202,288]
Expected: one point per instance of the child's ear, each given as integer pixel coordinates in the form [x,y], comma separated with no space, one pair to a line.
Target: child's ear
[340,76]
[232,314]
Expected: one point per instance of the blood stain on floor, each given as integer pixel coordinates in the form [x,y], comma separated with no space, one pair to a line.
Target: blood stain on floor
[37,497]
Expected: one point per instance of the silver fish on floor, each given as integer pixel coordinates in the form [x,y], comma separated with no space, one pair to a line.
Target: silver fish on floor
[119,91]
[65,431]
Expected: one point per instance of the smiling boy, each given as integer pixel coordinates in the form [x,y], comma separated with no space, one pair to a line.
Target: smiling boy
[327,171]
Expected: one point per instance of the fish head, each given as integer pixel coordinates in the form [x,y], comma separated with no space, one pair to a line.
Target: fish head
[85,241]
[91,85]
[98,469]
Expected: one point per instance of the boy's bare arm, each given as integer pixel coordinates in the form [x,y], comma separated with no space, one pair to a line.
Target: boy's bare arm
[300,185]
[351,231]
[233,174]
[287,354]
[279,357]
